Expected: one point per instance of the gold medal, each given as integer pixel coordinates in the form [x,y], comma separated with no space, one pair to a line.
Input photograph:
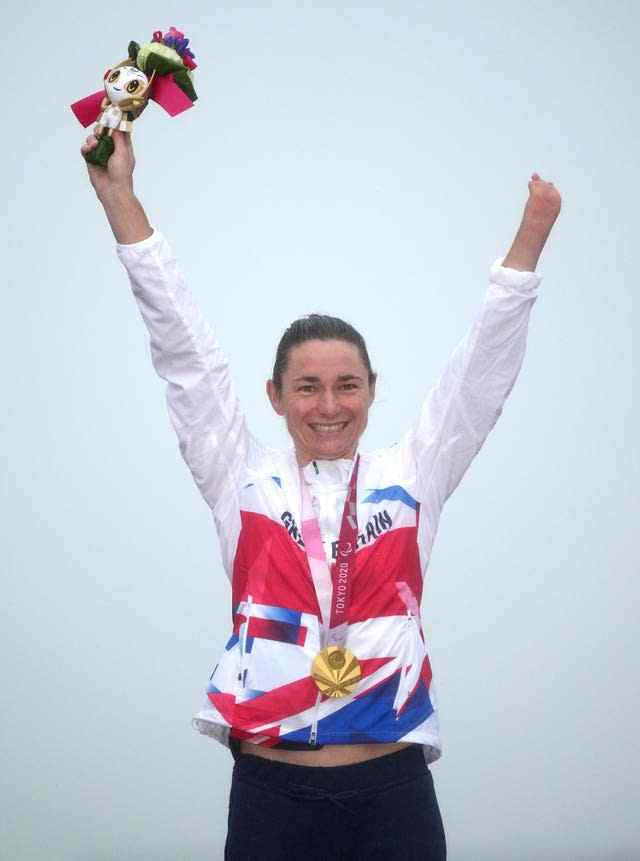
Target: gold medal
[336,671]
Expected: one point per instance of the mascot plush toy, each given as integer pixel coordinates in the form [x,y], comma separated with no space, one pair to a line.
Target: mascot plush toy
[160,70]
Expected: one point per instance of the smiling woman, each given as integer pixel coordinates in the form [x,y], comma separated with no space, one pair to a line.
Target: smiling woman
[323,692]
[323,385]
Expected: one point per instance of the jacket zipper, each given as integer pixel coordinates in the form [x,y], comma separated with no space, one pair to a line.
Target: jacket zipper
[313,735]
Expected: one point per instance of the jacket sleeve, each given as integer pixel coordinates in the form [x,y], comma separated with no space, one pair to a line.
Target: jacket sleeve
[465,403]
[203,408]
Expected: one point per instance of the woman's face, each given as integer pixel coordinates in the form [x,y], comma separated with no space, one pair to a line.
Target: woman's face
[325,399]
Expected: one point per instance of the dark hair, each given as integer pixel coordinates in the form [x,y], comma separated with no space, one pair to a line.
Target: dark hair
[317,327]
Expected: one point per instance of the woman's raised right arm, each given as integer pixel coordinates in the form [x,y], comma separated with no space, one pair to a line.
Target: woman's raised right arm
[211,429]
[113,185]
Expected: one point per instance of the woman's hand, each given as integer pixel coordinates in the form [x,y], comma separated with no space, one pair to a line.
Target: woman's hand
[117,175]
[113,185]
[543,206]
[540,212]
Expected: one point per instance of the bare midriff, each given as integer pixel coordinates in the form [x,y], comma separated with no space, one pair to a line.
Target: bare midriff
[330,754]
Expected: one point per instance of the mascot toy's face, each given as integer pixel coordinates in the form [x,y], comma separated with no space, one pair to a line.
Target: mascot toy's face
[125,82]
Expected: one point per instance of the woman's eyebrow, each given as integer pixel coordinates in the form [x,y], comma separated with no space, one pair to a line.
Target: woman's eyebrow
[342,378]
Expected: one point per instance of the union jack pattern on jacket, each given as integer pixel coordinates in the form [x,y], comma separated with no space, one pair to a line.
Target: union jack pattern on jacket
[261,688]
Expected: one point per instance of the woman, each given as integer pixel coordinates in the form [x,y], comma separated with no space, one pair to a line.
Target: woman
[323,692]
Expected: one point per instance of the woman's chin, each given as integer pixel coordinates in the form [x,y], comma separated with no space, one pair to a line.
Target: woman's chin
[331,450]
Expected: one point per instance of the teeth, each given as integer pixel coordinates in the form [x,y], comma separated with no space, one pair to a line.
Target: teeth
[328,428]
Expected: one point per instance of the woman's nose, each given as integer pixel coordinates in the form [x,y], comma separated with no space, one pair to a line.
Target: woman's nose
[328,404]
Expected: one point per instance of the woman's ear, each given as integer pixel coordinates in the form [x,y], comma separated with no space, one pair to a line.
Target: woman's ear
[274,397]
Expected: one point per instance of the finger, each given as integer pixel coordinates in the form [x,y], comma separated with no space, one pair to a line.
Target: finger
[90,144]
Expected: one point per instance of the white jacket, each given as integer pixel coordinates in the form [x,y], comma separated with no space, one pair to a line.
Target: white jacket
[261,687]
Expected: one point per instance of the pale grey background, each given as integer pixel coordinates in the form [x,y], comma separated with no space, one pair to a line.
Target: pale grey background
[370,160]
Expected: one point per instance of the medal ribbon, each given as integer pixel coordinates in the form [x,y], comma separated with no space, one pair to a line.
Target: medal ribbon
[335,606]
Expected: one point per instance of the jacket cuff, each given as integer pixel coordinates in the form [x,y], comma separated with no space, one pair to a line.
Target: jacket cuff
[130,249]
[507,277]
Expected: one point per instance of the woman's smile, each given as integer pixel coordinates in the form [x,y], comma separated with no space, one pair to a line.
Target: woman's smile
[328,429]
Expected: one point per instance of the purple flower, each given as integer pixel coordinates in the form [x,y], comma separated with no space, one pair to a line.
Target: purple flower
[175,39]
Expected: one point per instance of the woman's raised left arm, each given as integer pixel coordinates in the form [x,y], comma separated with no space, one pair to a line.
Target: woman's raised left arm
[464,405]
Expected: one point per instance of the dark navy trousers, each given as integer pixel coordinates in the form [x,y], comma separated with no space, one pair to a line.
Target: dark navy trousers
[382,809]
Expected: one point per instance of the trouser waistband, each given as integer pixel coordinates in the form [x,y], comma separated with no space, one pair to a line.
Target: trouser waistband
[401,765]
